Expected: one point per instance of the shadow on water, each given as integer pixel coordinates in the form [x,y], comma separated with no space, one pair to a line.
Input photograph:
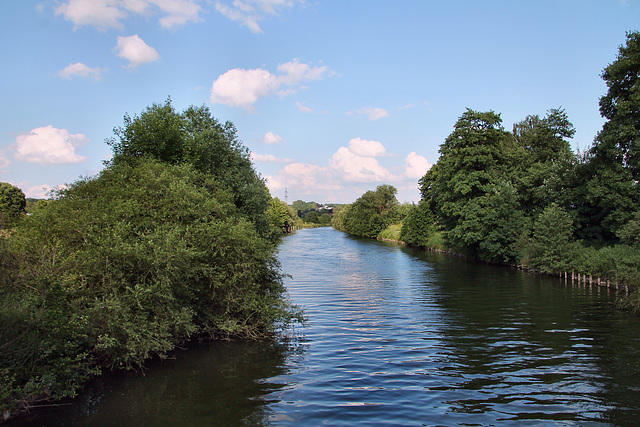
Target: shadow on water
[530,347]
[215,383]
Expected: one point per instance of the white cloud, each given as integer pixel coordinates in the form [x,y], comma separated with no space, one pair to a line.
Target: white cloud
[350,172]
[79,69]
[365,148]
[242,88]
[271,138]
[250,12]
[268,158]
[415,166]
[294,72]
[303,108]
[353,167]
[135,50]
[374,113]
[104,14]
[4,164]
[48,146]
[42,191]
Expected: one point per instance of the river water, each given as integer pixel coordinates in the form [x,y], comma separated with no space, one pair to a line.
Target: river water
[396,336]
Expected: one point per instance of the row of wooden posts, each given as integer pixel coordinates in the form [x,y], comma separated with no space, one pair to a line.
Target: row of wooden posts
[591,281]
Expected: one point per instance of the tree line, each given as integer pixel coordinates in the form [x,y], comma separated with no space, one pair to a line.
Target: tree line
[174,239]
[523,197]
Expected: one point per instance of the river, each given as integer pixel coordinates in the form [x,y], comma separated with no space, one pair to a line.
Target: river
[395,336]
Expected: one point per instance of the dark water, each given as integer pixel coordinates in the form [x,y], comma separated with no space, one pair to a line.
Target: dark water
[398,337]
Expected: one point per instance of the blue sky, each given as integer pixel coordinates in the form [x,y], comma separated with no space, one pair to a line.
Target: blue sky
[332,97]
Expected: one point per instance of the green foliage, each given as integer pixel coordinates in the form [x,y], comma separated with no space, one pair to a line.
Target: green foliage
[280,215]
[553,237]
[198,139]
[612,174]
[461,187]
[630,232]
[302,208]
[542,169]
[418,225]
[13,205]
[125,266]
[392,232]
[311,217]
[369,214]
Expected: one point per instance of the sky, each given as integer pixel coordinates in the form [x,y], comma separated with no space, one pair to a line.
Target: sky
[332,98]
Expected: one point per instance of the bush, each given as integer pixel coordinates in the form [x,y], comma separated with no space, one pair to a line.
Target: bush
[125,266]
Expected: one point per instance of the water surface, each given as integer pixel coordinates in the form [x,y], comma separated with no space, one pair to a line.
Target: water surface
[399,337]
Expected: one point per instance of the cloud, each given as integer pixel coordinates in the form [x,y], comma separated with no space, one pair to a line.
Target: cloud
[49,146]
[42,191]
[79,69]
[242,88]
[349,173]
[415,166]
[353,167]
[4,164]
[268,158]
[250,12]
[271,138]
[303,108]
[374,113]
[135,50]
[362,147]
[104,14]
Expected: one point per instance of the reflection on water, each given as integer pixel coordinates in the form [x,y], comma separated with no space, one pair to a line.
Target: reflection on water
[220,383]
[401,337]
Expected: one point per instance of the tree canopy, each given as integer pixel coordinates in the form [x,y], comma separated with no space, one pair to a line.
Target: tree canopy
[13,204]
[196,138]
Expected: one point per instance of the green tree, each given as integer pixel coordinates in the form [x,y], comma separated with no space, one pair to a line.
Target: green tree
[196,138]
[128,265]
[370,213]
[542,170]
[280,215]
[473,160]
[13,204]
[553,240]
[418,225]
[311,217]
[611,192]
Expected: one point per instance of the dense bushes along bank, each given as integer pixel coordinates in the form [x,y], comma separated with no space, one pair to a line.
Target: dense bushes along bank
[523,197]
[174,239]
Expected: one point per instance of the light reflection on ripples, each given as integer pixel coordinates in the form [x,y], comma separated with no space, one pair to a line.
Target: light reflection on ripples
[407,338]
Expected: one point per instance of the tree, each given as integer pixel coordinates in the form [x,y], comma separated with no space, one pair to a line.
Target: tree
[418,225]
[312,217]
[370,213]
[280,215]
[13,204]
[196,138]
[552,240]
[543,169]
[125,266]
[611,175]
[473,159]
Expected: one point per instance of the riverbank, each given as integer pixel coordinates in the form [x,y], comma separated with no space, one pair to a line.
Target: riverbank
[622,263]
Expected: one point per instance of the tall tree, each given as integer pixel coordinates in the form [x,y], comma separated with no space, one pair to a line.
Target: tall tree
[371,213]
[12,204]
[544,170]
[612,191]
[473,162]
[195,137]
